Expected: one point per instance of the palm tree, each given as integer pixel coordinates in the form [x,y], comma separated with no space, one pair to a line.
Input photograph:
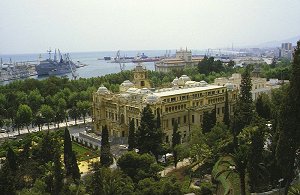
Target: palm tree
[237,164]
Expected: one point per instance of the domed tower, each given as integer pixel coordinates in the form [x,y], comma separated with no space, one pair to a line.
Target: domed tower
[140,77]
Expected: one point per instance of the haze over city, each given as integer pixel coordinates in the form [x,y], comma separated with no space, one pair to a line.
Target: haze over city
[33,26]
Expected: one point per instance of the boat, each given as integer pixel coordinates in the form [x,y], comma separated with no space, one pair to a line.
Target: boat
[144,58]
[51,67]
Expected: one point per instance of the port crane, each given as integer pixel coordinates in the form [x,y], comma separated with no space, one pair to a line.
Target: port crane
[72,67]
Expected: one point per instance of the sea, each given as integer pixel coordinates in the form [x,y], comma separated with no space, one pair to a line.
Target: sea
[94,61]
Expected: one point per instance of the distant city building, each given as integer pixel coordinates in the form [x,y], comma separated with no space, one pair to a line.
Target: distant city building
[185,102]
[286,51]
[182,59]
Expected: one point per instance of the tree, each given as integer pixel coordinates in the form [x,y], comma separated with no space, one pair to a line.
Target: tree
[67,151]
[35,100]
[209,120]
[74,113]
[97,181]
[11,159]
[175,141]
[256,170]
[105,155]
[105,181]
[131,136]
[243,113]
[138,166]
[289,124]
[24,116]
[226,119]
[47,113]
[47,148]
[58,175]
[83,107]
[263,106]
[7,180]
[149,136]
[74,168]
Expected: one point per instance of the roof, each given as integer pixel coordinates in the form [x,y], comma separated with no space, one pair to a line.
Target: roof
[170,92]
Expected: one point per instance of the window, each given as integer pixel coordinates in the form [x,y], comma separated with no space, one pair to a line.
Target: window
[178,120]
[173,121]
[218,110]
[142,83]
[123,133]
[193,119]
[167,139]
[184,119]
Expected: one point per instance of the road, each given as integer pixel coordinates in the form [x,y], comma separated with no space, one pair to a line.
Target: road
[71,125]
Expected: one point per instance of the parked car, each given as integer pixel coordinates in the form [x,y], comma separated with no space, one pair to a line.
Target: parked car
[3,131]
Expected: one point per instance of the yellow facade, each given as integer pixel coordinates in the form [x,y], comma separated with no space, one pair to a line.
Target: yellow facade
[185,102]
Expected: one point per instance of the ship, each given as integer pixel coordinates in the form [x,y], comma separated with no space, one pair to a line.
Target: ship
[55,66]
[144,58]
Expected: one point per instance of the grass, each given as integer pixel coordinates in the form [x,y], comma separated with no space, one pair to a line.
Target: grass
[84,153]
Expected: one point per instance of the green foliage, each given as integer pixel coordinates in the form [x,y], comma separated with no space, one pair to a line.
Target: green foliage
[74,168]
[263,106]
[105,155]
[208,65]
[137,166]
[67,151]
[149,136]
[47,113]
[243,114]
[24,115]
[11,159]
[289,123]
[209,120]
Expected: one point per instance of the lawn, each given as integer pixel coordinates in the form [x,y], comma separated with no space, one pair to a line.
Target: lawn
[84,153]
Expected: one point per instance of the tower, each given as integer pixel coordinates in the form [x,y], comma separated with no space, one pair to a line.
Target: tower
[140,77]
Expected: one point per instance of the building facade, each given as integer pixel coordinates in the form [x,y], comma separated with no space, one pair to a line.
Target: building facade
[259,85]
[183,59]
[185,103]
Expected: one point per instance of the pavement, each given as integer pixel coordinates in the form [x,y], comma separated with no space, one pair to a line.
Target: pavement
[183,163]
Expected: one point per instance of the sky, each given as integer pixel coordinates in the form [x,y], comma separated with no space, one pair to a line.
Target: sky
[32,26]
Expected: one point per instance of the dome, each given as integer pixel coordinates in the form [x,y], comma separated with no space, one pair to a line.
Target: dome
[127,83]
[185,78]
[175,81]
[144,90]
[102,90]
[132,90]
[203,83]
[151,98]
[229,86]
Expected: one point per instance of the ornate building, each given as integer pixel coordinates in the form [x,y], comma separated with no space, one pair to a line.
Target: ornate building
[182,59]
[185,103]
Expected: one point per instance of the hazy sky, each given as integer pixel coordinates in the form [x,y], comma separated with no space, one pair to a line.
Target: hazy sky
[32,26]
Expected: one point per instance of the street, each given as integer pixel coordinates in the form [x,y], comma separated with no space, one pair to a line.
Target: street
[71,125]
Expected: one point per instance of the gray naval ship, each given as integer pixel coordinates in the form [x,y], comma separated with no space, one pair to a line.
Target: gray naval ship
[59,65]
